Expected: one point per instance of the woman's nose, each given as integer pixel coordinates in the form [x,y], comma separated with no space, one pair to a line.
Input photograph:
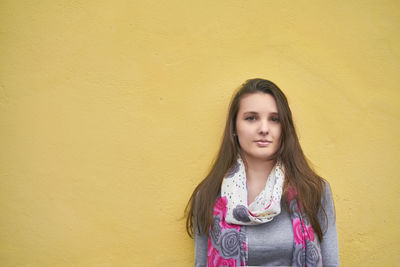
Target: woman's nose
[264,127]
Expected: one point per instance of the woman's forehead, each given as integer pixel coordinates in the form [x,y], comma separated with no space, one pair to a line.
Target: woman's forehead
[258,103]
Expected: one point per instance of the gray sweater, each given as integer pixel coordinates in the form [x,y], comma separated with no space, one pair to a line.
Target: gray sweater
[271,244]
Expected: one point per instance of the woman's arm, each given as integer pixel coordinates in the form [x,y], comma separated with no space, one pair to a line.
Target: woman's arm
[200,244]
[329,244]
[200,249]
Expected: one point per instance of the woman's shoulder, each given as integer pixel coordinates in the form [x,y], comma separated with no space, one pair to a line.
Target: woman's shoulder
[326,190]
[327,204]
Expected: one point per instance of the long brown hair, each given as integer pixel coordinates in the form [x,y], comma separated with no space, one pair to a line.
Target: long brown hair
[298,173]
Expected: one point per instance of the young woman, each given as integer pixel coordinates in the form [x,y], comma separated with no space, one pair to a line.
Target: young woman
[261,204]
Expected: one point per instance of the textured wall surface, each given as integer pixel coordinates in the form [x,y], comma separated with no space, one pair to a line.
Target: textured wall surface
[111,112]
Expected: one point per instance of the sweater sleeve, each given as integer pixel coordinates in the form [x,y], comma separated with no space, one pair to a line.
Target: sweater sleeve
[329,244]
[200,245]
[200,249]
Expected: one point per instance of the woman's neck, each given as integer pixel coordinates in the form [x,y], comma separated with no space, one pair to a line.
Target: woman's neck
[257,172]
[257,169]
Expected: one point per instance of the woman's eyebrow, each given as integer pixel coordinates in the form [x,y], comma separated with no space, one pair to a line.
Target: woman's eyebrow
[254,112]
[250,112]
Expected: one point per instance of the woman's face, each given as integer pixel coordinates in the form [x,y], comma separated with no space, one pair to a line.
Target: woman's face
[257,126]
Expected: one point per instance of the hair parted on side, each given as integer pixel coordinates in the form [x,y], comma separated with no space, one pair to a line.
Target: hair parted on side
[298,173]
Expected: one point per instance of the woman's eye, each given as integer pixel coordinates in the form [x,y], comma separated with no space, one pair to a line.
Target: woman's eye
[251,118]
[275,119]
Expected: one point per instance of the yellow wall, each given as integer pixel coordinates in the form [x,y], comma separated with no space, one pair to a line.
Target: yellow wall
[111,111]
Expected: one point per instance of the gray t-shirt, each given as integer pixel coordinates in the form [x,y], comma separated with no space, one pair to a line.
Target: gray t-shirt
[271,243]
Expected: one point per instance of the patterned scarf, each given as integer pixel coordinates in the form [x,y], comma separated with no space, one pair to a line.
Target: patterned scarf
[227,242]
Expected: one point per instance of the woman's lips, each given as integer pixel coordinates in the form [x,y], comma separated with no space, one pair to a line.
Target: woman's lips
[263,143]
